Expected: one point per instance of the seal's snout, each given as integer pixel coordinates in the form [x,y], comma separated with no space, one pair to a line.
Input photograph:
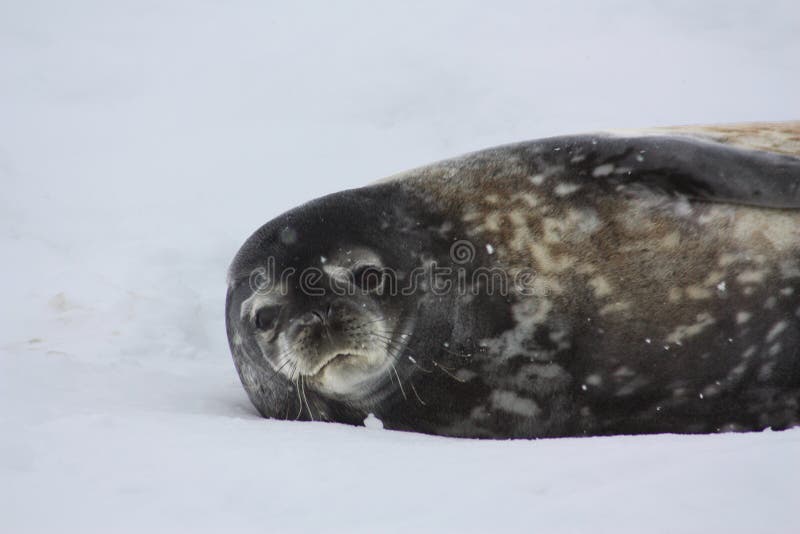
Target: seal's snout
[330,339]
[319,320]
[310,324]
[311,318]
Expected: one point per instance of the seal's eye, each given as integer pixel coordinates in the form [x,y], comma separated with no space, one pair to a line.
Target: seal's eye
[266,318]
[368,277]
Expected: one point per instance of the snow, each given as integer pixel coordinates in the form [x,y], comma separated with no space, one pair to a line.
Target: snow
[373,422]
[142,142]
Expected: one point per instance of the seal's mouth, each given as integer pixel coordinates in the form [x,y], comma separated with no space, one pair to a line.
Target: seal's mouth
[335,360]
[349,375]
[339,357]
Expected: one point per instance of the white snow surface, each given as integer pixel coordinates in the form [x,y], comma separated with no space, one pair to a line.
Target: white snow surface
[142,142]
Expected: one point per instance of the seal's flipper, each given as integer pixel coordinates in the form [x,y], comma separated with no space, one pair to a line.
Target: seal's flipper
[779,137]
[756,165]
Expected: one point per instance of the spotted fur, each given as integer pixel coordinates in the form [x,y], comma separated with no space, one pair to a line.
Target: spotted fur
[664,298]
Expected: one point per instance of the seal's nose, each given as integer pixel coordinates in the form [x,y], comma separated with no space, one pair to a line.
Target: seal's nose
[318,320]
[311,318]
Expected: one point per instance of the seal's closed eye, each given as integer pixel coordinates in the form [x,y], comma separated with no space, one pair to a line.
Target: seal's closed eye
[368,277]
[266,318]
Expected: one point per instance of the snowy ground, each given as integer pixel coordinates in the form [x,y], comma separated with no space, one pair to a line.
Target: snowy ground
[141,143]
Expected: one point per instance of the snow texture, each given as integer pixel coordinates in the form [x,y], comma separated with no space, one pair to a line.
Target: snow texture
[142,142]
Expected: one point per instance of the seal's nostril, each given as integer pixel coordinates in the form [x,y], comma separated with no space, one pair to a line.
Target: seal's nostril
[312,318]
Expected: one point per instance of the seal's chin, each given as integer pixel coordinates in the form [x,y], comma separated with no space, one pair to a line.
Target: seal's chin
[350,374]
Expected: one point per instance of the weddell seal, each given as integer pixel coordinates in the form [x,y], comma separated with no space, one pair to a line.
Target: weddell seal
[614,283]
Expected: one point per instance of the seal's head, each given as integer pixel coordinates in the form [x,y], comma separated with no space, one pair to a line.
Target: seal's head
[315,312]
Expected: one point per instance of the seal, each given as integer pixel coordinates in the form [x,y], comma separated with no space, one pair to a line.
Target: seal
[612,283]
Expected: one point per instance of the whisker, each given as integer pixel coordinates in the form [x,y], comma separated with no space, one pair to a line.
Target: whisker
[286,361]
[411,383]
[400,383]
[285,357]
[303,389]
[286,402]
[397,347]
[446,371]
[442,348]
[365,323]
[320,413]
[297,390]
[403,391]
[414,361]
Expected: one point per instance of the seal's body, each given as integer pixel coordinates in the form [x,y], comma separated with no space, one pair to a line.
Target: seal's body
[570,286]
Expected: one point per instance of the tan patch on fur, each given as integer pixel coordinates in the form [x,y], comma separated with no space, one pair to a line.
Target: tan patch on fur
[660,259]
[751,276]
[682,332]
[615,307]
[780,137]
[698,293]
[491,223]
[600,286]
[547,261]
[726,259]
[675,294]
[714,278]
[671,241]
[778,229]
[528,198]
